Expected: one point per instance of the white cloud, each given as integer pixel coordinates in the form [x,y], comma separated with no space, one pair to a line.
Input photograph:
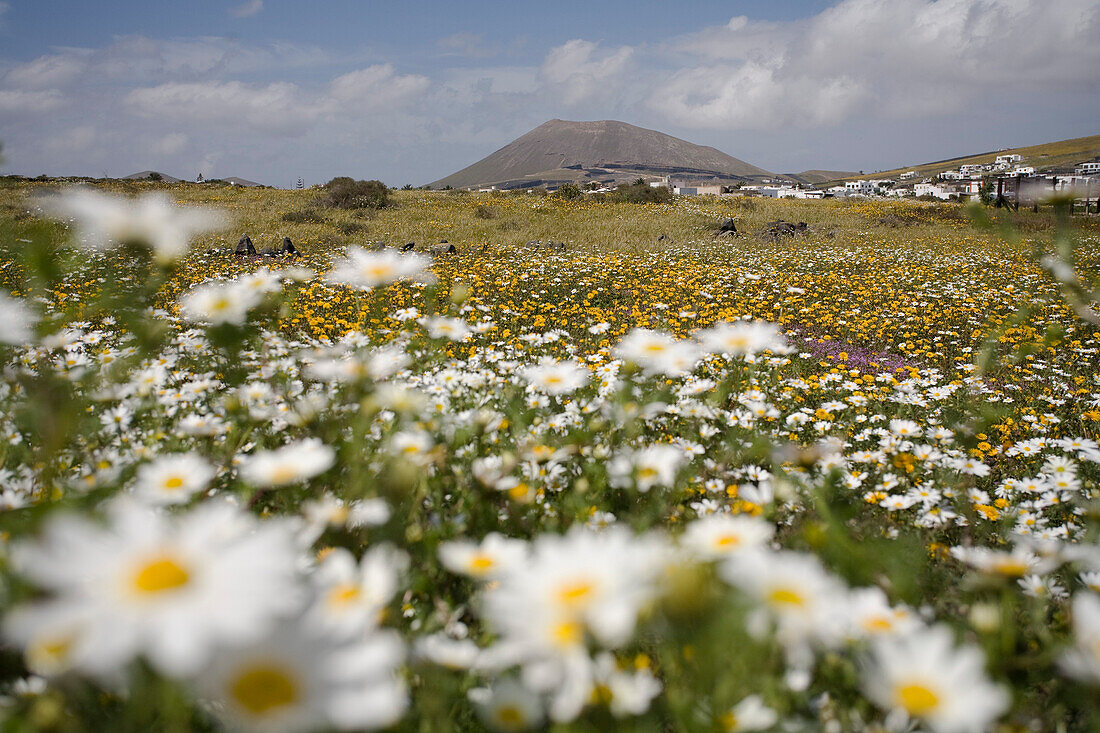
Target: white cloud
[754,96]
[376,87]
[53,70]
[580,71]
[20,101]
[891,58]
[248,9]
[4,8]
[277,108]
[467,44]
[137,59]
[170,144]
[76,140]
[489,80]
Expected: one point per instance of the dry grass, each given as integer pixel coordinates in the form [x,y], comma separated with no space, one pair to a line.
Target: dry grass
[506,222]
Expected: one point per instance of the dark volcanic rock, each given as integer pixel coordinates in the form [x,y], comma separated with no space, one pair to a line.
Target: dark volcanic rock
[244,247]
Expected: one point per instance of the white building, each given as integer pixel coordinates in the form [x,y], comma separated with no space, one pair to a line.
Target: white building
[947,191]
[1004,161]
[1086,169]
[1023,170]
[970,169]
[702,190]
[952,176]
[907,175]
[858,187]
[929,189]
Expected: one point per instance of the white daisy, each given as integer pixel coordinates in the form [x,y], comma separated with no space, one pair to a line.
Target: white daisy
[364,269]
[290,464]
[924,675]
[171,589]
[173,479]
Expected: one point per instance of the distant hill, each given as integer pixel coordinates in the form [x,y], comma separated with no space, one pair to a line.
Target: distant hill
[815,177]
[561,151]
[146,175]
[235,181]
[1058,157]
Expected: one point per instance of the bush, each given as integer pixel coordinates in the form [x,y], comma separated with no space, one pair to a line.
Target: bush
[305,216]
[485,212]
[568,191]
[641,192]
[345,193]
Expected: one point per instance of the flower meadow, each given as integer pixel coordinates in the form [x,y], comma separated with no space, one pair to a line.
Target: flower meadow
[837,483]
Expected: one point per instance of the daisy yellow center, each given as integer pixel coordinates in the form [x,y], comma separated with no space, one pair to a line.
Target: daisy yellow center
[601,695]
[647,472]
[481,563]
[408,449]
[220,304]
[263,689]
[567,633]
[727,721]
[575,593]
[159,575]
[509,716]
[339,515]
[1010,567]
[283,474]
[344,594]
[379,271]
[45,654]
[786,597]
[917,699]
[877,623]
[173,482]
[655,348]
[727,541]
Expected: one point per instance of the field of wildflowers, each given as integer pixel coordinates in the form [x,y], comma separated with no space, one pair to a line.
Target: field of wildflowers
[840,482]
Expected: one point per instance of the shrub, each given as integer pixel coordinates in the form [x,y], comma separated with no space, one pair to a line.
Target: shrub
[485,212]
[568,191]
[350,227]
[343,192]
[640,192]
[305,216]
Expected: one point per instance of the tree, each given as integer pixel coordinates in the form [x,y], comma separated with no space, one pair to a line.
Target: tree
[985,193]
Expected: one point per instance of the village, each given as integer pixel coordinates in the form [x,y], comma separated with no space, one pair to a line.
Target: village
[1008,180]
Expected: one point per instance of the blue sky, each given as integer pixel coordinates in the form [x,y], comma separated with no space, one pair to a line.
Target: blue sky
[411,91]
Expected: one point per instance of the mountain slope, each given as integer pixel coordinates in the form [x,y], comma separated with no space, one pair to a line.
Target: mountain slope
[1057,156]
[145,175]
[561,150]
[814,177]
